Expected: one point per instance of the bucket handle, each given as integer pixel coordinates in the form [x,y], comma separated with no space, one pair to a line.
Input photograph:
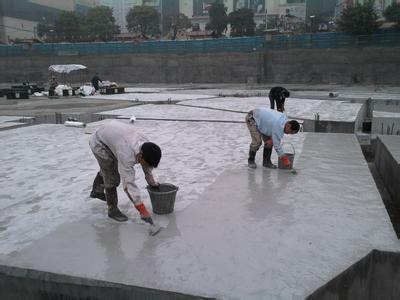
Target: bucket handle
[287,143]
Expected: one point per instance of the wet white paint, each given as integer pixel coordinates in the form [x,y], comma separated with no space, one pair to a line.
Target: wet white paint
[235,233]
[148,97]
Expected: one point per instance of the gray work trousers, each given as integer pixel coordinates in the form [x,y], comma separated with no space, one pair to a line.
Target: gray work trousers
[107,161]
[256,137]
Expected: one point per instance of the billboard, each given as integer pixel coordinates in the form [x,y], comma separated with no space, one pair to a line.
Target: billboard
[201,7]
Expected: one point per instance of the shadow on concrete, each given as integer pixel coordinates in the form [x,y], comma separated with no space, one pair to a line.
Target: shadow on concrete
[27,284]
[376,276]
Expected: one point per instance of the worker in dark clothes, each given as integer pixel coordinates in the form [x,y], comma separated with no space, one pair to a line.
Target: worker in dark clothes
[52,85]
[278,94]
[95,81]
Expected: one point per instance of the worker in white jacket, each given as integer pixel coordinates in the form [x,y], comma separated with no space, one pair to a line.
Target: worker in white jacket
[268,125]
[118,147]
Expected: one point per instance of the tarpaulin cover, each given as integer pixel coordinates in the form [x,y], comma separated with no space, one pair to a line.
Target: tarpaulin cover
[66,68]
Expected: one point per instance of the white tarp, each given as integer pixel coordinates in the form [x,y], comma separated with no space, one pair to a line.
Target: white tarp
[59,89]
[87,90]
[66,68]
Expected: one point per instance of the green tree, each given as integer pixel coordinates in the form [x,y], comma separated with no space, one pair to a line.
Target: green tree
[359,19]
[100,23]
[43,29]
[392,14]
[218,18]
[69,26]
[143,19]
[178,22]
[242,22]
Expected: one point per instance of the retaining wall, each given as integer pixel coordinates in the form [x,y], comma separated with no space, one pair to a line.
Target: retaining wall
[376,276]
[387,162]
[370,65]
[142,68]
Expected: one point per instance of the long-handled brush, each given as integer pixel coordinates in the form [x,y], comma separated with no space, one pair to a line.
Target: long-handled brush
[154,229]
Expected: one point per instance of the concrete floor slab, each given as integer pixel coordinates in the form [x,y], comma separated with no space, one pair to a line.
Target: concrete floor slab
[236,233]
[176,112]
[295,107]
[4,119]
[9,122]
[149,97]
[300,91]
[9,125]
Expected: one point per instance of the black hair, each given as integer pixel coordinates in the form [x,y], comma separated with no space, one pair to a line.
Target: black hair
[286,93]
[294,126]
[151,154]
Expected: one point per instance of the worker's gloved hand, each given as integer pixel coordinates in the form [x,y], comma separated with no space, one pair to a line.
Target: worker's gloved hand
[285,161]
[144,213]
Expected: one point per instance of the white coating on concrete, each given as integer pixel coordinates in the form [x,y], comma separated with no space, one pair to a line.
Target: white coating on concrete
[356,93]
[295,107]
[237,107]
[148,97]
[7,122]
[236,233]
[385,114]
[4,119]
[7,125]
[175,112]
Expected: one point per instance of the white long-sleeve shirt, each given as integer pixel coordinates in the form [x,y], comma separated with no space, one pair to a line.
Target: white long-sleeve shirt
[125,143]
[271,123]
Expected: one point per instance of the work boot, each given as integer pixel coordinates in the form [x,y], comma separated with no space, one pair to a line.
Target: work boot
[267,163]
[251,160]
[98,188]
[112,202]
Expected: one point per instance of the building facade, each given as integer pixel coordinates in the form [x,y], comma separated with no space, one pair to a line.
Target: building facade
[19,18]
[273,12]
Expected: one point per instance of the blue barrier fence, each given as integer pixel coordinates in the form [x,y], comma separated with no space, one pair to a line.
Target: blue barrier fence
[245,44]
[250,44]
[333,40]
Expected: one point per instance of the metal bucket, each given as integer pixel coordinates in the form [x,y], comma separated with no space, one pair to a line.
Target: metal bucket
[290,156]
[163,198]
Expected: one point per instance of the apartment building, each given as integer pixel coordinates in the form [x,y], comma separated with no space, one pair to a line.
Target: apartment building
[19,18]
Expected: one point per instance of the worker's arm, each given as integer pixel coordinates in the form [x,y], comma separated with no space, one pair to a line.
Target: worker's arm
[276,138]
[129,185]
[133,193]
[148,175]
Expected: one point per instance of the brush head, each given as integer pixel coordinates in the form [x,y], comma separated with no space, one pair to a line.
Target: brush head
[154,229]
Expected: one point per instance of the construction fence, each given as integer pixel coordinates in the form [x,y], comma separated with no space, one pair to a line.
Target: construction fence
[244,44]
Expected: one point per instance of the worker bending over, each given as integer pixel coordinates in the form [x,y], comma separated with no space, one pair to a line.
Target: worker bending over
[268,126]
[117,148]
